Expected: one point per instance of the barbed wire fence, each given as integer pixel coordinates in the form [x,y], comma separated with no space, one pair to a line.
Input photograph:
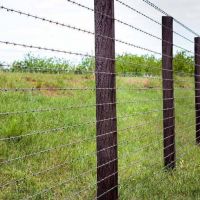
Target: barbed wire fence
[92,145]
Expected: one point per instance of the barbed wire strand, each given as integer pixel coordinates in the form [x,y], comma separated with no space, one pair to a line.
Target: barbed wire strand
[89,89]
[153,20]
[49,131]
[81,158]
[87,31]
[46,190]
[159,171]
[60,184]
[123,74]
[133,9]
[61,146]
[41,110]
[180,157]
[84,54]
[165,13]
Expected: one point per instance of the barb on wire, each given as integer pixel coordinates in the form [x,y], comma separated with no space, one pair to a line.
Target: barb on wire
[165,13]
[151,19]
[82,158]
[87,89]
[84,30]
[66,145]
[88,122]
[65,182]
[82,54]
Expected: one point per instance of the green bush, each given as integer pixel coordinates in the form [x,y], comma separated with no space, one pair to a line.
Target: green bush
[183,63]
[32,63]
[126,63]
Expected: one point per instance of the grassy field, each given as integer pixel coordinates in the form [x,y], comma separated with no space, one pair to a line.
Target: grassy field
[65,138]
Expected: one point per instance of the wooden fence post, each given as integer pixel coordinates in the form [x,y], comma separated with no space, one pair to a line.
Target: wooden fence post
[168,92]
[107,164]
[197,87]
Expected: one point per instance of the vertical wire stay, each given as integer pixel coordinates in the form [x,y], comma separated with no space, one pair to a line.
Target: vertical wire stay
[98,126]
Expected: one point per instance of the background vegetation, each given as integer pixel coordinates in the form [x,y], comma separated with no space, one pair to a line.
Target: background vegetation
[138,65]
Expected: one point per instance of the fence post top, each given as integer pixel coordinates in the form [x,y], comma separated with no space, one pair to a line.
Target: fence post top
[167,18]
[197,39]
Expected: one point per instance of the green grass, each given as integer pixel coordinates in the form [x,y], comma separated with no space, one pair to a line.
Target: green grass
[141,173]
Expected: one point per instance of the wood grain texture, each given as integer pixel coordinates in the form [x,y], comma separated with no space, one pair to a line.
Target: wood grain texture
[168,92]
[197,87]
[106,143]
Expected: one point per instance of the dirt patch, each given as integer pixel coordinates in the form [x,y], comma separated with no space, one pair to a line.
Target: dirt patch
[138,81]
[29,79]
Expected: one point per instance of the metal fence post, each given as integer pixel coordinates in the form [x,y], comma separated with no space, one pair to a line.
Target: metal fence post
[197,87]
[107,164]
[168,92]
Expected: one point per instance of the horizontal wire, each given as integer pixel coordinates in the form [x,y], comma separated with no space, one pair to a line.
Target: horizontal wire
[46,190]
[41,110]
[52,50]
[33,69]
[74,53]
[126,74]
[66,145]
[182,155]
[124,156]
[90,170]
[87,89]
[48,131]
[84,30]
[67,162]
[131,26]
[164,148]
[153,20]
[145,159]
[115,145]
[73,27]
[163,12]
[81,106]
[167,164]
[106,73]
[170,162]
[91,105]
[54,109]
[78,29]
[138,161]
[132,163]
[86,106]
[82,54]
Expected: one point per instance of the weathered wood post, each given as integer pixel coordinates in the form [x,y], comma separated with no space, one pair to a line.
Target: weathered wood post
[197,87]
[168,92]
[107,164]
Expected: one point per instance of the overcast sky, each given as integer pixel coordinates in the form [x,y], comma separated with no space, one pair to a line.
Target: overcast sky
[21,29]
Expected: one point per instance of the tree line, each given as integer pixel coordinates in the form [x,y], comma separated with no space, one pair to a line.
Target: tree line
[126,63]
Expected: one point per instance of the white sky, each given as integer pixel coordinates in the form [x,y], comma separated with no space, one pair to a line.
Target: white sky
[21,29]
